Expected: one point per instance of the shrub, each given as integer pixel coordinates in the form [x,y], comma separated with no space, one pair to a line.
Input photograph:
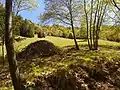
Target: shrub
[70,36]
[52,34]
[30,33]
[41,34]
[111,33]
[27,33]
[27,29]
[64,35]
[82,33]
[114,36]
[49,33]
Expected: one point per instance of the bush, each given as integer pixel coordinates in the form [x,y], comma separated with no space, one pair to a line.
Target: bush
[82,34]
[30,33]
[49,33]
[41,34]
[64,35]
[111,33]
[70,36]
[114,36]
[27,33]
[52,34]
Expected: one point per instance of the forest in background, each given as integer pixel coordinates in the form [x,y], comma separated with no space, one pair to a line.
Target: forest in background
[79,51]
[27,28]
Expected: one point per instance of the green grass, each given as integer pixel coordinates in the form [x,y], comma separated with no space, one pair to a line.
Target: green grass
[56,40]
[46,65]
[60,42]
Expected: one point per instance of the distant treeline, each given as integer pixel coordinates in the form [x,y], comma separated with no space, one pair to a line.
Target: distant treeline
[27,28]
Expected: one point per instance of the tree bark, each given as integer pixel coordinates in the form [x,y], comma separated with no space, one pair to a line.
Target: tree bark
[77,47]
[89,45]
[94,24]
[116,5]
[10,47]
[72,25]
[3,40]
[91,25]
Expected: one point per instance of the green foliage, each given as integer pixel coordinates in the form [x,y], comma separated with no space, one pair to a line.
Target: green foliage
[27,29]
[41,34]
[22,5]
[82,33]
[30,33]
[2,18]
[70,36]
[64,35]
[111,33]
[114,35]
[17,24]
[61,31]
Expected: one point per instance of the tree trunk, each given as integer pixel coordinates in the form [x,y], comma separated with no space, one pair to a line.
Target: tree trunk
[3,50]
[72,25]
[91,39]
[89,45]
[116,5]
[76,45]
[94,24]
[96,41]
[10,47]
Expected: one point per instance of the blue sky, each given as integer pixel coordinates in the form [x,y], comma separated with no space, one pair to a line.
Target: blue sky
[33,15]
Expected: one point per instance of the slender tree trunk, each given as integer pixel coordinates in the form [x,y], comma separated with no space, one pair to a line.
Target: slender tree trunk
[89,45]
[99,23]
[3,50]
[96,34]
[94,24]
[96,41]
[10,47]
[72,25]
[116,5]
[91,39]
[77,47]
[3,42]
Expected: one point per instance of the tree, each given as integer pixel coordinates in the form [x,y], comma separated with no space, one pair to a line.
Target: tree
[116,11]
[14,71]
[17,22]
[63,11]
[2,18]
[16,28]
[116,5]
[22,5]
[27,29]
[96,13]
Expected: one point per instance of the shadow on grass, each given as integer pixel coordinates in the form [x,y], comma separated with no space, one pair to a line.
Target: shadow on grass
[72,70]
[79,77]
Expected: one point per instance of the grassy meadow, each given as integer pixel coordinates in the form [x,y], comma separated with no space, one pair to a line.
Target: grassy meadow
[60,42]
[43,67]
